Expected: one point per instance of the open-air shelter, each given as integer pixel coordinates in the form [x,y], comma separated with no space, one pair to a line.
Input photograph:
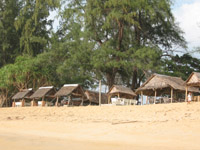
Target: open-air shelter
[19,99]
[93,97]
[158,85]
[120,91]
[71,94]
[192,81]
[45,94]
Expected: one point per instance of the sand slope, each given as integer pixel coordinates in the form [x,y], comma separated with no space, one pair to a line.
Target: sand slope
[161,126]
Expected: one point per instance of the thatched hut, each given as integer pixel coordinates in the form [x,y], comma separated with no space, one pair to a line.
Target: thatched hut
[71,94]
[20,97]
[192,81]
[158,85]
[93,97]
[120,92]
[45,94]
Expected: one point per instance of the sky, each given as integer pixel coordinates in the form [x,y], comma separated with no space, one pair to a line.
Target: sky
[187,15]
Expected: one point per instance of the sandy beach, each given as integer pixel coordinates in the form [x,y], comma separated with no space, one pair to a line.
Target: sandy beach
[160,126]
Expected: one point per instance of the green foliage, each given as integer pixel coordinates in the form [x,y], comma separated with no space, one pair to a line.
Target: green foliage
[34,25]
[123,33]
[9,38]
[181,66]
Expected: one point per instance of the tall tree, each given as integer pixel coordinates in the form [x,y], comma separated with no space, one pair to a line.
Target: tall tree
[34,25]
[9,39]
[180,66]
[124,33]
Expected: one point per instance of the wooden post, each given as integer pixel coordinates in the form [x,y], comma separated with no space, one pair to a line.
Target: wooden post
[69,100]
[43,103]
[198,98]
[141,97]
[32,102]
[13,103]
[146,100]
[57,101]
[99,92]
[109,99]
[171,95]
[82,101]
[186,93]
[23,102]
[155,97]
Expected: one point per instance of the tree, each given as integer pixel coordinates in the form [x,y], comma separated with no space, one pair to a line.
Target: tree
[9,39]
[123,32]
[180,66]
[34,25]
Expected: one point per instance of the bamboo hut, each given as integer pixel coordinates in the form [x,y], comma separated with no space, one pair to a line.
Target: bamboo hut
[193,81]
[19,99]
[45,94]
[71,94]
[120,91]
[158,85]
[93,97]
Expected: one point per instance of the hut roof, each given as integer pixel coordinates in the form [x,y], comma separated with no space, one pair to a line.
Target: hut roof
[193,79]
[157,81]
[121,89]
[68,89]
[42,91]
[93,96]
[22,94]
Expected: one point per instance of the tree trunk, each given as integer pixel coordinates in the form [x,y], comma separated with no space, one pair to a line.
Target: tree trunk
[134,79]
[110,77]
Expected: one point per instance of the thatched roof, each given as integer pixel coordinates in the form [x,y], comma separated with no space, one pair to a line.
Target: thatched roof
[193,79]
[23,94]
[121,89]
[43,91]
[160,82]
[69,89]
[93,96]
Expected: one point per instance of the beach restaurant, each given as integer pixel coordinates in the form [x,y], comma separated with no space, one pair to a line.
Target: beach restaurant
[167,88]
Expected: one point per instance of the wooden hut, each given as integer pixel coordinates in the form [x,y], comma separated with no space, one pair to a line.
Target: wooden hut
[158,85]
[45,94]
[120,92]
[193,81]
[93,97]
[71,94]
[19,99]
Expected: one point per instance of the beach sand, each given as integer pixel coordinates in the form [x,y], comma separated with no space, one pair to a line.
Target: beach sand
[160,126]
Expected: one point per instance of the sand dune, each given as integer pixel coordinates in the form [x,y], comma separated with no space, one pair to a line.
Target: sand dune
[163,126]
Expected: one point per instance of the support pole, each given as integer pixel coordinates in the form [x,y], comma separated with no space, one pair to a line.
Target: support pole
[186,93]
[82,101]
[146,100]
[99,92]
[118,95]
[57,101]
[141,97]
[33,102]
[155,97]
[109,99]
[43,103]
[69,100]
[172,95]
